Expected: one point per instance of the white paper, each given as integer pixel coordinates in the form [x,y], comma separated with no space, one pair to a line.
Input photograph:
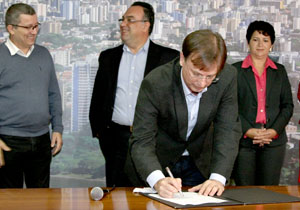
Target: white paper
[190,198]
[144,190]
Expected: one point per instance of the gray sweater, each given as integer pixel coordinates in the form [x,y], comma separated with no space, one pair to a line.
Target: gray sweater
[29,94]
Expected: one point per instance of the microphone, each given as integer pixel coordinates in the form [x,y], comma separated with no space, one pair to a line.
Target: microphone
[97,193]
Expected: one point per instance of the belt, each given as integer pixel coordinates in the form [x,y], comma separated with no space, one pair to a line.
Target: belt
[118,126]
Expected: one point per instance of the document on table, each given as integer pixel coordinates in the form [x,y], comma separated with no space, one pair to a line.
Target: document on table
[189,198]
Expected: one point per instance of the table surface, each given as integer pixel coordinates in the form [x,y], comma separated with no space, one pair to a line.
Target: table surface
[120,198]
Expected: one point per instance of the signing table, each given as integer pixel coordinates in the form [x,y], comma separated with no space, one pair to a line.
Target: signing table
[120,198]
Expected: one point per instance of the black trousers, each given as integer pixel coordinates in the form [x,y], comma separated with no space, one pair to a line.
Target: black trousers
[259,165]
[114,146]
[28,160]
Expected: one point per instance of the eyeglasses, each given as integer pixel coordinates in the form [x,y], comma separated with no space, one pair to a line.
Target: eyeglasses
[30,28]
[209,78]
[215,80]
[196,75]
[131,20]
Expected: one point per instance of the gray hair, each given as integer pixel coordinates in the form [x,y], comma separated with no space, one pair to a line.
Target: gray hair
[12,16]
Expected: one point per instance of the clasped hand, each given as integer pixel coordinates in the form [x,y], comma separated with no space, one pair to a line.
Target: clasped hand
[166,187]
[261,136]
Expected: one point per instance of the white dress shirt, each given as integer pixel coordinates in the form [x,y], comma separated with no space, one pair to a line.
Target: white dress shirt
[13,49]
[131,74]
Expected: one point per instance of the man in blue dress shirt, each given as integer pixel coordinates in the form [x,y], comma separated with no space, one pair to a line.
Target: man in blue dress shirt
[121,71]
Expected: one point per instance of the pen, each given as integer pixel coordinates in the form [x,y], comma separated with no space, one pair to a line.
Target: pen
[171,175]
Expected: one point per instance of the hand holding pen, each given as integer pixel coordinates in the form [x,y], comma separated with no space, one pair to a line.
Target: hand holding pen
[168,186]
[171,175]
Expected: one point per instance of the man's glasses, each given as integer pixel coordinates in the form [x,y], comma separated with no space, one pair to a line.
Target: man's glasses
[29,28]
[215,80]
[209,78]
[131,20]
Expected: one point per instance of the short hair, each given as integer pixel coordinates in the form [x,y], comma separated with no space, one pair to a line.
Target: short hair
[148,13]
[205,48]
[12,16]
[262,27]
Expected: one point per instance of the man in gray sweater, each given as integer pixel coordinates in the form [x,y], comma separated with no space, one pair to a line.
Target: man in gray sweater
[29,101]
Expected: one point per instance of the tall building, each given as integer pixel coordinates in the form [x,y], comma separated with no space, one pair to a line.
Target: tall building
[55,4]
[52,27]
[158,29]
[83,77]
[217,4]
[179,15]
[70,9]
[232,25]
[62,56]
[94,14]
[169,6]
[277,28]
[67,9]
[84,19]
[278,4]
[296,23]
[104,9]
[41,11]
[190,22]
[102,13]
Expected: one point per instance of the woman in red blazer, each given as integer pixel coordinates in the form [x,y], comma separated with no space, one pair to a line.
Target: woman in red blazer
[265,108]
